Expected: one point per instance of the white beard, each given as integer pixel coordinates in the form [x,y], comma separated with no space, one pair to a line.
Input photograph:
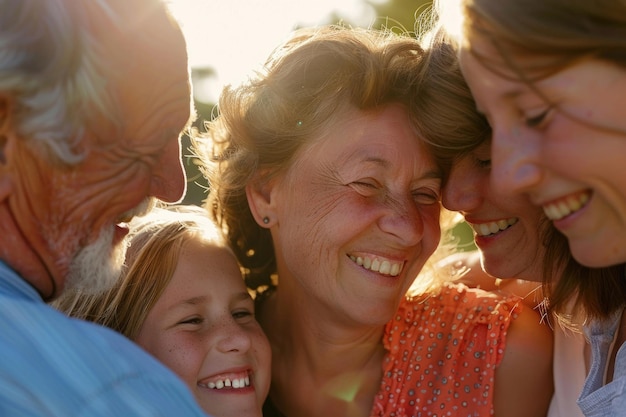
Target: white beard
[97,266]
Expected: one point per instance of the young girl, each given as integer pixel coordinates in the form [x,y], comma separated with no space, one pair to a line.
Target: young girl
[182,298]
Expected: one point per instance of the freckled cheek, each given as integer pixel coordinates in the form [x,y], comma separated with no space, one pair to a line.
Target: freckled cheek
[261,346]
[168,353]
[262,355]
[182,361]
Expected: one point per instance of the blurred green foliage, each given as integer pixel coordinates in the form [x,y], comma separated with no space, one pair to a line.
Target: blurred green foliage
[400,15]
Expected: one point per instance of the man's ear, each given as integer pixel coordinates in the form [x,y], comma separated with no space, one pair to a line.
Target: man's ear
[260,192]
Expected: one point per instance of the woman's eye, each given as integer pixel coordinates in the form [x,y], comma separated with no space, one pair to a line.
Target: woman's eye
[426,196]
[366,188]
[367,184]
[483,163]
[193,320]
[480,157]
[537,120]
[242,314]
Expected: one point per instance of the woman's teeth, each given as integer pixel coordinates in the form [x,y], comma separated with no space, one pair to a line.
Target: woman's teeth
[385,267]
[565,207]
[490,228]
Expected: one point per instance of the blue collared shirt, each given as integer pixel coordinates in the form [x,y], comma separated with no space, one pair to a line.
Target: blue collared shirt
[597,398]
[53,365]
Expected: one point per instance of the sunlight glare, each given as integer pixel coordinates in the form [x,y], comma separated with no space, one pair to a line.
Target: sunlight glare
[233,37]
[451,16]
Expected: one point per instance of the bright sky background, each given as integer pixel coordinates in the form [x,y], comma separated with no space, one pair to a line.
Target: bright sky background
[234,36]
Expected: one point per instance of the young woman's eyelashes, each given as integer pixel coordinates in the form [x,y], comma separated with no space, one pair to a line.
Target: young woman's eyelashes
[483,163]
[481,156]
[537,119]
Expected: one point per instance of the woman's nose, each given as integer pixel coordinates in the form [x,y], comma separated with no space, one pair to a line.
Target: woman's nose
[462,190]
[514,160]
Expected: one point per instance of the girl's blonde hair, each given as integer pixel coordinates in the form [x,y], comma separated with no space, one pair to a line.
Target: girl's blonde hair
[155,244]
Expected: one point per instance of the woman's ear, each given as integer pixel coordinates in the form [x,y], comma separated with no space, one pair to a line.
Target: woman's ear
[260,193]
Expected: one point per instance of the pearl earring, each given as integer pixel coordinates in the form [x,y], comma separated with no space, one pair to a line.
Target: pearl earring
[266,220]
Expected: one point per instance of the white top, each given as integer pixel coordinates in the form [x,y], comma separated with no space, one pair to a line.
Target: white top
[569,373]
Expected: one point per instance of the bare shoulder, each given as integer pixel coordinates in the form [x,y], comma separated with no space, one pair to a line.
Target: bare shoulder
[529,331]
[466,267]
[524,376]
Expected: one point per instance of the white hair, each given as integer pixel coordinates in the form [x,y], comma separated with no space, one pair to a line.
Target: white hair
[51,63]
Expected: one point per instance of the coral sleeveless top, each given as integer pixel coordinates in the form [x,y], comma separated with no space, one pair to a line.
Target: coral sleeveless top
[442,350]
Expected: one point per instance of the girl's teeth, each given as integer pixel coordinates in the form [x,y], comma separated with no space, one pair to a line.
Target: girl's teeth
[228,383]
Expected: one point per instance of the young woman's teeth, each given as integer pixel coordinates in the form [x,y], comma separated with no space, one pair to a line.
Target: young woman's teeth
[384,267]
[563,208]
[486,229]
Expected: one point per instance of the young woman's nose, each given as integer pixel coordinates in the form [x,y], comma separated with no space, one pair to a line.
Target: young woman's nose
[462,190]
[514,160]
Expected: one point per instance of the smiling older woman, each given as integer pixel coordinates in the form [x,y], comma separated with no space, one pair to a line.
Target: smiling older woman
[330,197]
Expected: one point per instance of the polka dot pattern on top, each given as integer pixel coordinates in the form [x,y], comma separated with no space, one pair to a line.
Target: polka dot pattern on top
[441,354]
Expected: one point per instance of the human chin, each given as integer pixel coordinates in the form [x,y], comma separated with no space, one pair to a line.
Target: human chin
[601,250]
[235,407]
[98,265]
